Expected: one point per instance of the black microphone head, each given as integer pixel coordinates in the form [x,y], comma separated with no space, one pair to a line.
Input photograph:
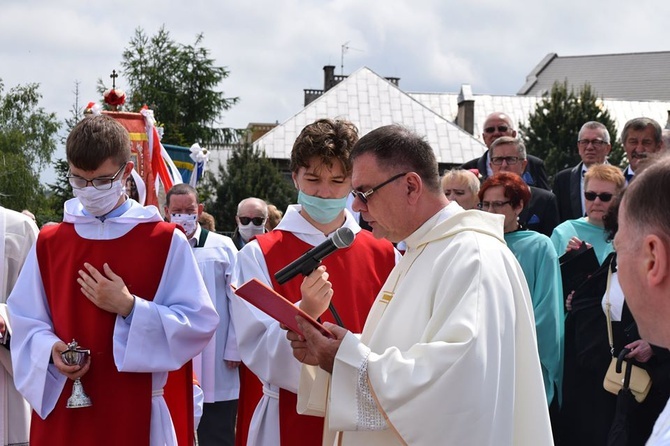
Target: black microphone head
[343,237]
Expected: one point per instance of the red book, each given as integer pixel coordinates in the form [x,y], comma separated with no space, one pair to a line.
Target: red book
[276,306]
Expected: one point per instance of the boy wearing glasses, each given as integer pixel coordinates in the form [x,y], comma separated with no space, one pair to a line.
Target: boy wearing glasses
[322,174]
[110,277]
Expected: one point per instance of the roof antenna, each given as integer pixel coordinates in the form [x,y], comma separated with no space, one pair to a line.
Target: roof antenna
[345,48]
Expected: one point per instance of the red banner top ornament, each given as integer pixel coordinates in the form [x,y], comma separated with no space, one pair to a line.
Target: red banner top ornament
[114,97]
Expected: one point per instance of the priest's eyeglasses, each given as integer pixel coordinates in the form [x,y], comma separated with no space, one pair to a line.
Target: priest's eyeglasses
[495,205]
[364,195]
[100,183]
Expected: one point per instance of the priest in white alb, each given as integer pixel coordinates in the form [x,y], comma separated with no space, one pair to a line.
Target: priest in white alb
[448,353]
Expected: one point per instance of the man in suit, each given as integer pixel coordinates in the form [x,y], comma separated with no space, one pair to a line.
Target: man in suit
[593,144]
[508,154]
[640,137]
[496,125]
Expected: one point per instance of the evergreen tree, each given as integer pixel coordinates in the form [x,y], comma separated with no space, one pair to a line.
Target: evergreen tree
[553,128]
[179,83]
[249,173]
[28,137]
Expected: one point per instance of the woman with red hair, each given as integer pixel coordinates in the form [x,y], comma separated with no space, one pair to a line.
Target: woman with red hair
[506,194]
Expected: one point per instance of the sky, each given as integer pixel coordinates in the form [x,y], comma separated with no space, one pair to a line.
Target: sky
[274,49]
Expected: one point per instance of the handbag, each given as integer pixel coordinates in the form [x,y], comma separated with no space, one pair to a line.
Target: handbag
[631,377]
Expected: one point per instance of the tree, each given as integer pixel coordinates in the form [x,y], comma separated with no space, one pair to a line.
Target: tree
[249,173]
[553,128]
[60,191]
[27,141]
[179,83]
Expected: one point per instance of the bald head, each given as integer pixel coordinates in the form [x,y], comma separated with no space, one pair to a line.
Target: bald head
[497,124]
[252,205]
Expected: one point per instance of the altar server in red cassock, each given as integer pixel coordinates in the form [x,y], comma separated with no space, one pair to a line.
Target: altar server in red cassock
[322,174]
[122,283]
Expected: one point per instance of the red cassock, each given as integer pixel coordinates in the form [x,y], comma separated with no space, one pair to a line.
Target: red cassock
[121,410]
[357,274]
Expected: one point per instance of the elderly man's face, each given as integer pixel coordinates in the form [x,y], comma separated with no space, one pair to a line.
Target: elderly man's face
[592,146]
[495,126]
[638,144]
[385,210]
[508,157]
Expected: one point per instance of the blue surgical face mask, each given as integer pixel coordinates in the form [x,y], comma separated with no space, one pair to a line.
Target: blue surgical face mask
[322,210]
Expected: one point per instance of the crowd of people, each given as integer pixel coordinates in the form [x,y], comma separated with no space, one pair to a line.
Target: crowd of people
[450,318]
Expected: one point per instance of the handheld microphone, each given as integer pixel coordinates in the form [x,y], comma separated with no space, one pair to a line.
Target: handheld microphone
[311,260]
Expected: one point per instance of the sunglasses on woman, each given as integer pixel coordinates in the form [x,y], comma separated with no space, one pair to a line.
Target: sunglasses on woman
[604,196]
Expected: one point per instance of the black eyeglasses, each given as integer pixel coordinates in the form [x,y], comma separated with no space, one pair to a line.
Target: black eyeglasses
[495,205]
[510,160]
[256,220]
[364,195]
[604,197]
[501,129]
[101,183]
[594,142]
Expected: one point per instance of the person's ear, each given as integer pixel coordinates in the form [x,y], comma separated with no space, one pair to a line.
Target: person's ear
[201,207]
[414,186]
[128,170]
[655,260]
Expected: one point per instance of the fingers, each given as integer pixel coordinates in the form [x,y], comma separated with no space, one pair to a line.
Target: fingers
[109,273]
[71,371]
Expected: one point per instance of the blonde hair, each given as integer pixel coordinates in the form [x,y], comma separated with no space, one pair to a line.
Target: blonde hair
[606,172]
[463,176]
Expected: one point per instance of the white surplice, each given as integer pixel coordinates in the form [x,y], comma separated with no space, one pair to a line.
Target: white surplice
[262,343]
[159,335]
[448,354]
[17,235]
[216,261]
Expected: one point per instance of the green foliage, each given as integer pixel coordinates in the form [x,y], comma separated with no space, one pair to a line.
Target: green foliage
[27,141]
[249,173]
[61,191]
[553,128]
[178,82]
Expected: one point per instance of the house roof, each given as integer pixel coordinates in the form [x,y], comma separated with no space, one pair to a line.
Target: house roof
[370,101]
[628,76]
[519,108]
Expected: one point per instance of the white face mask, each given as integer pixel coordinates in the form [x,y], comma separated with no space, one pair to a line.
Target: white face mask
[250,230]
[187,221]
[99,202]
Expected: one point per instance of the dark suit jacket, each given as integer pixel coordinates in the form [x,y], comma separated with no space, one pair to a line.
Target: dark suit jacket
[541,214]
[534,175]
[567,188]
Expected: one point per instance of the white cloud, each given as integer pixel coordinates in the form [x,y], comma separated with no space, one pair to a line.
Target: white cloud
[274,49]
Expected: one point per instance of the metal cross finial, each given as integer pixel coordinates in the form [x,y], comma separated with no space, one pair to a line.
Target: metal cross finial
[114,75]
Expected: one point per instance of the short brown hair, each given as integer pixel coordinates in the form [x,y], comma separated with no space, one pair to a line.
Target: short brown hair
[96,139]
[207,221]
[327,139]
[181,189]
[516,190]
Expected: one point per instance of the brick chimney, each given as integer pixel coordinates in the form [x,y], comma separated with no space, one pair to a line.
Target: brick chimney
[466,109]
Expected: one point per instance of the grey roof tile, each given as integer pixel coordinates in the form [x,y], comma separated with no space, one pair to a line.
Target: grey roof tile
[627,76]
